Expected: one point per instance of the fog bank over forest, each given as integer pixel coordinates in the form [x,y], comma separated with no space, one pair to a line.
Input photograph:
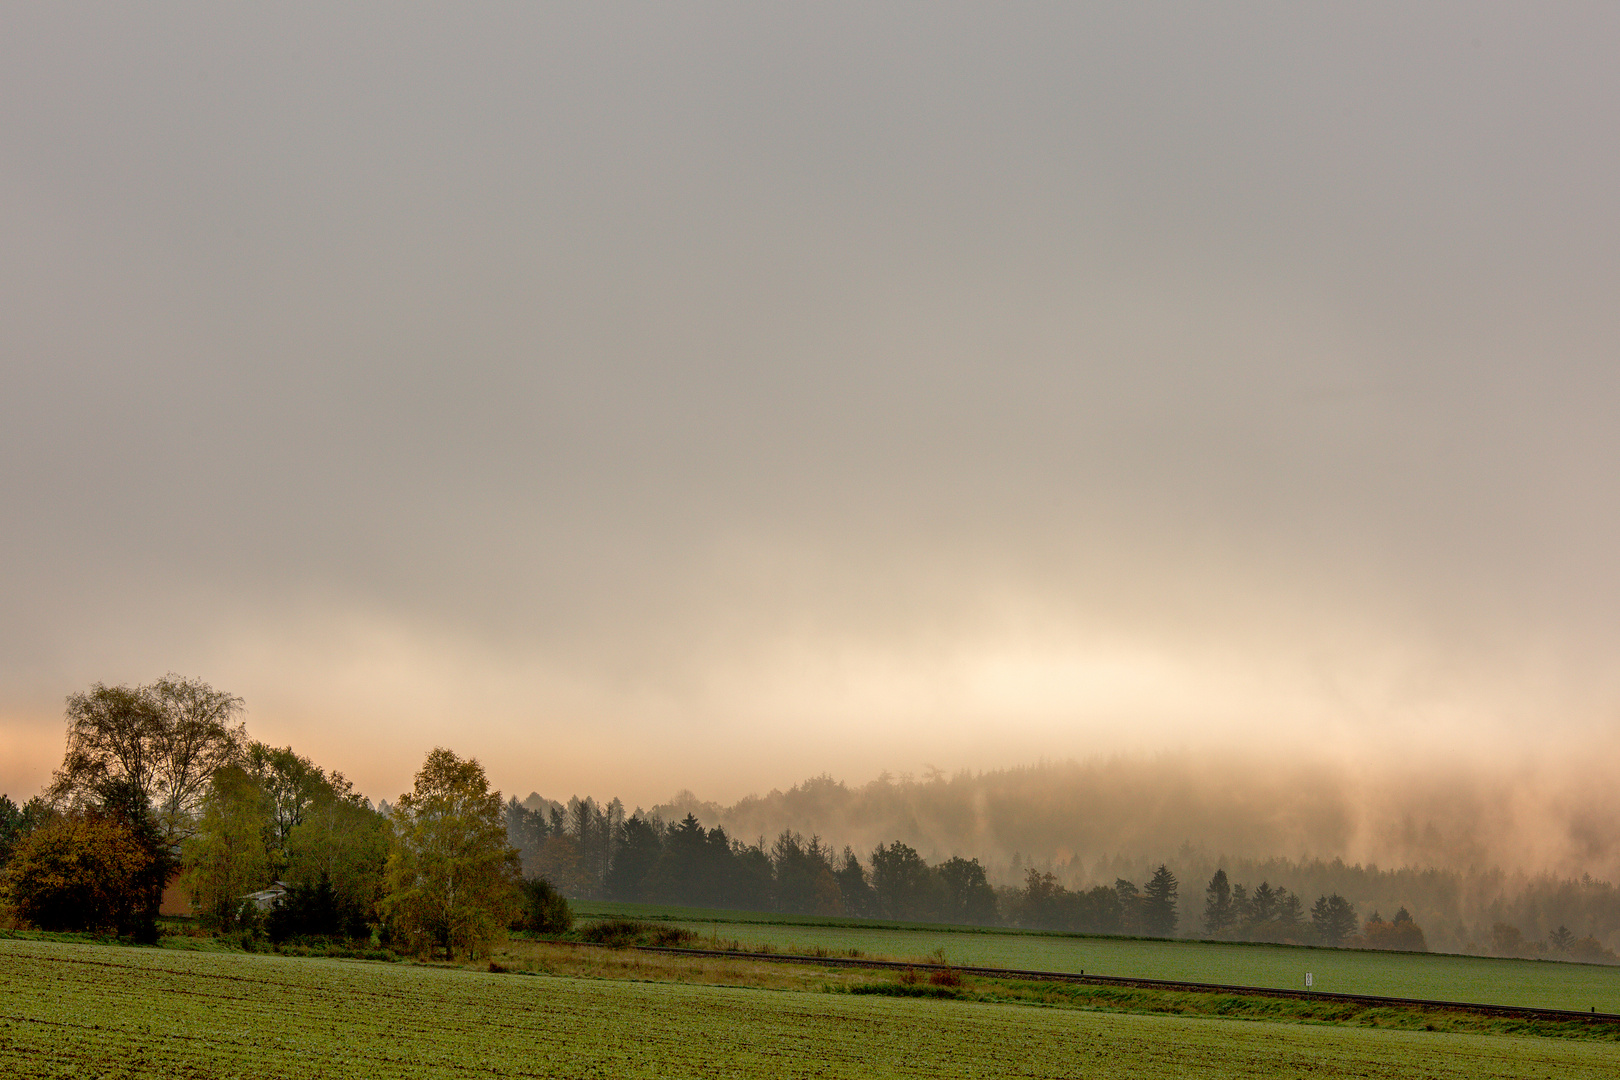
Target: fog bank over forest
[1088,820]
[723,396]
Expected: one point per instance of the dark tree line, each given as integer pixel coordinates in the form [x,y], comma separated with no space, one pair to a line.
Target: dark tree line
[1270,914]
[162,778]
[593,852]
[1275,914]
[1045,904]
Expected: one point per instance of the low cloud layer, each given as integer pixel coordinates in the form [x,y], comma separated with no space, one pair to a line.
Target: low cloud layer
[712,398]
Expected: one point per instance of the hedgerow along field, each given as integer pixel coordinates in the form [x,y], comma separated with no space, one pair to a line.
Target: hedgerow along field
[1480,980]
[74,1010]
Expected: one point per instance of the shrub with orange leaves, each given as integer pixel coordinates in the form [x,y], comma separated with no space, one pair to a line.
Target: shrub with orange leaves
[84,871]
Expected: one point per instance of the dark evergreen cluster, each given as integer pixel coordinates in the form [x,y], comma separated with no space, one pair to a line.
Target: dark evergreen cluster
[1269,914]
[1045,904]
[593,852]
[316,910]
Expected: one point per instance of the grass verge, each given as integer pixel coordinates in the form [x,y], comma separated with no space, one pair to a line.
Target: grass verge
[585,961]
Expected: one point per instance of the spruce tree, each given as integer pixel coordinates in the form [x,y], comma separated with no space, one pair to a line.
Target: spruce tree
[1159,903]
[1217,904]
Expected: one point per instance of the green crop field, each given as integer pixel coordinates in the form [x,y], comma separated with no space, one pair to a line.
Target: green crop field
[74,1010]
[1483,980]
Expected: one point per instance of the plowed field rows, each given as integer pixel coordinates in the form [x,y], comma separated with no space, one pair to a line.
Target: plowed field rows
[70,1010]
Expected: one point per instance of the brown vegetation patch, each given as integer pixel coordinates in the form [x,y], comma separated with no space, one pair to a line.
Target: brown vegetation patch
[620,933]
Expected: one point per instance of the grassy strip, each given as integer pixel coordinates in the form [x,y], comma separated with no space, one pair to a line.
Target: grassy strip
[587,909]
[334,948]
[564,958]
[1243,1007]
[1505,982]
[615,909]
[570,960]
[583,961]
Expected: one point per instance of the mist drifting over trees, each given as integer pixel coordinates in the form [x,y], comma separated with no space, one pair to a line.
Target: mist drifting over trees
[1076,816]
[1461,853]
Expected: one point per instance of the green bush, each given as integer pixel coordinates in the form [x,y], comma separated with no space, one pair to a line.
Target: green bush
[620,933]
[544,911]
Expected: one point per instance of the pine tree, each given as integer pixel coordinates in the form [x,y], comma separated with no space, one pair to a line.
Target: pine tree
[1159,903]
[1217,904]
[853,889]
[1263,905]
[1334,918]
[1290,910]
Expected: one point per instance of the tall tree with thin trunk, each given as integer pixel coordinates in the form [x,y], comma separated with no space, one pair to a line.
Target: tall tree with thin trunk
[1218,904]
[292,783]
[166,739]
[232,851]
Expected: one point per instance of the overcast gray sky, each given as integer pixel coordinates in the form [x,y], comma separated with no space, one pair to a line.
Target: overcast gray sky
[710,396]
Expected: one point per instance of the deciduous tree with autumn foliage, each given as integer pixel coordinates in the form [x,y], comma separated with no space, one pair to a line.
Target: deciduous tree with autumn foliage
[453,880]
[98,867]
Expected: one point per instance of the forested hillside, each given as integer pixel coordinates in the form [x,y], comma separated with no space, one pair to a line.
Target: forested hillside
[1104,827]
